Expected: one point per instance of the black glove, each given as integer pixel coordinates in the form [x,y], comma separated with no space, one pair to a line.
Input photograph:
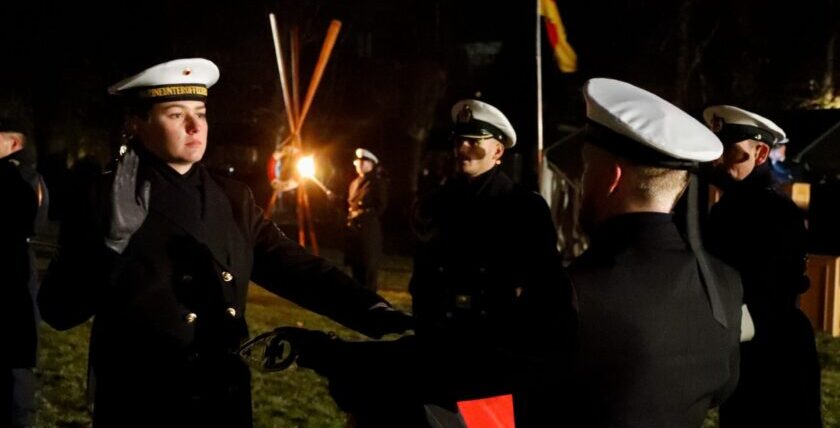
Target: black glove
[383,319]
[359,373]
[129,204]
[332,358]
[314,349]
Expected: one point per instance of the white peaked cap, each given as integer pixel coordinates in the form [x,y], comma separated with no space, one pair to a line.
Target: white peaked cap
[747,125]
[366,154]
[178,79]
[649,121]
[477,119]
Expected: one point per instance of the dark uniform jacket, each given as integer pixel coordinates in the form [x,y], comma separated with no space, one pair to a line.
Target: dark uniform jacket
[762,234]
[170,311]
[651,353]
[489,292]
[17,221]
[367,200]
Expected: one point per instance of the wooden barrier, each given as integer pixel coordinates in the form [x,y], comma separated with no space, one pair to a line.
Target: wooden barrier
[800,193]
[821,303]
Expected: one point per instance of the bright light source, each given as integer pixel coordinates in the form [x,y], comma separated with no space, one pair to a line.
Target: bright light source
[306,167]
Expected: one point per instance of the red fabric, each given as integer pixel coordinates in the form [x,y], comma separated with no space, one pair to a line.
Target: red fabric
[493,412]
[556,32]
[551,31]
[271,169]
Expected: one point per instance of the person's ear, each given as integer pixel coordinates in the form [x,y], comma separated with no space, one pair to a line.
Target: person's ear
[135,127]
[615,177]
[17,141]
[761,152]
[498,152]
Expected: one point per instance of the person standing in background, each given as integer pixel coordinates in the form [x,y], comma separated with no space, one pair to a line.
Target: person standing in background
[762,233]
[25,202]
[367,199]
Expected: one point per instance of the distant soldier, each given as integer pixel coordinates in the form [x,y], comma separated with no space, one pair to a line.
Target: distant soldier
[280,179]
[659,318]
[785,171]
[367,199]
[761,233]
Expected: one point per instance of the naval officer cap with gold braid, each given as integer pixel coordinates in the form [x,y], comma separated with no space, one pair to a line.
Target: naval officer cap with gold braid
[180,79]
[732,125]
[477,119]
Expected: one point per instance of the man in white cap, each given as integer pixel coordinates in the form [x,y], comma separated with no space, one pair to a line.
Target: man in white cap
[486,269]
[492,304]
[367,199]
[659,318]
[762,233]
[161,253]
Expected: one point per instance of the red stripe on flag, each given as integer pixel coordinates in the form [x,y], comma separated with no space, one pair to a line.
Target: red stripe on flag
[563,51]
[552,33]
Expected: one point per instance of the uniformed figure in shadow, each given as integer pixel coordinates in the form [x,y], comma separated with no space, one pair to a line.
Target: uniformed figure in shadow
[26,202]
[660,319]
[493,308]
[762,233]
[487,271]
[161,252]
[367,199]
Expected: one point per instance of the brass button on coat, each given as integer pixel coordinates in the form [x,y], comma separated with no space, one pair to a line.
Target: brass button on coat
[231,312]
[190,317]
[227,276]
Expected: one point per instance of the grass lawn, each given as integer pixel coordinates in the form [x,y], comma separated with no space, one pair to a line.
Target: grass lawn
[294,397]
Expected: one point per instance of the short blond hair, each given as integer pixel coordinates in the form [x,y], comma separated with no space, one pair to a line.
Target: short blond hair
[656,182]
[648,183]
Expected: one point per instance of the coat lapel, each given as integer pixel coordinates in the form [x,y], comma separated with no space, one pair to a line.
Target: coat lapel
[164,200]
[217,229]
[224,239]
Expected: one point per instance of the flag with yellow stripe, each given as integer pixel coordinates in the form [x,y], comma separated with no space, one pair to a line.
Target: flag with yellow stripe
[563,51]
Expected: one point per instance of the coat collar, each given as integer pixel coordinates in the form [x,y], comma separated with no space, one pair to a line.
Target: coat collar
[490,184]
[214,226]
[645,229]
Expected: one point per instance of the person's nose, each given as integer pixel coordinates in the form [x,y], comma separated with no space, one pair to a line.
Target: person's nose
[193,124]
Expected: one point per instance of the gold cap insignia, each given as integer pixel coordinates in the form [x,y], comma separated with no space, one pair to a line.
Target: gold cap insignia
[717,123]
[465,115]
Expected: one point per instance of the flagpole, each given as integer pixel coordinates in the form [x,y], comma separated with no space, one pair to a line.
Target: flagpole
[539,101]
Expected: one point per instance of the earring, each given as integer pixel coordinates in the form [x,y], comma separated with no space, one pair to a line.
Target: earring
[498,161]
